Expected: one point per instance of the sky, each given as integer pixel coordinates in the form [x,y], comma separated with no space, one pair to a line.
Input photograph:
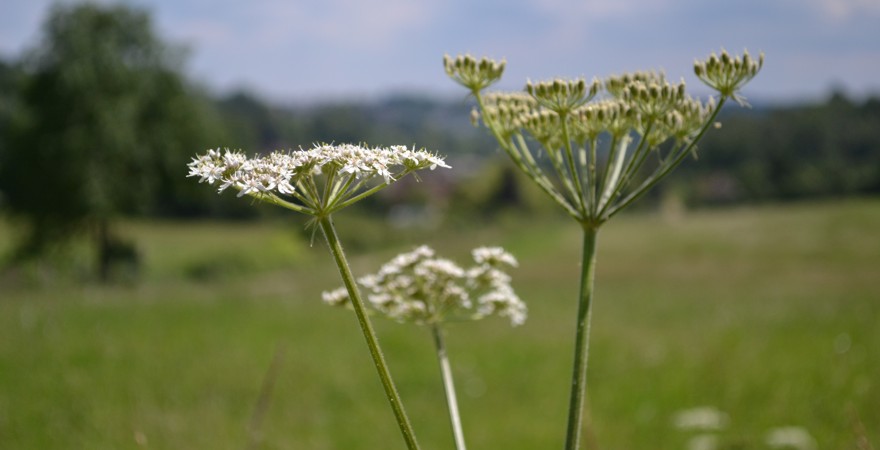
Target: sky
[299,50]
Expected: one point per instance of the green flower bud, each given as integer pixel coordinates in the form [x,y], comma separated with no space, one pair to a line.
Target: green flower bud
[729,74]
[472,74]
[560,96]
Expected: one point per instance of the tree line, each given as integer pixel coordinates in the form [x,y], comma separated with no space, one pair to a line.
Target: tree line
[97,122]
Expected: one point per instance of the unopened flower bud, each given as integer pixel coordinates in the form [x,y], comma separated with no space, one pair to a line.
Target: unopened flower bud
[473,74]
[475,117]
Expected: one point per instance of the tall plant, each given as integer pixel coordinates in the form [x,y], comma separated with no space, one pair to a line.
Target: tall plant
[596,147]
[319,182]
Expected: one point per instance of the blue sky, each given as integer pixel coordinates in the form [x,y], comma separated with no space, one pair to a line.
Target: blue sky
[295,50]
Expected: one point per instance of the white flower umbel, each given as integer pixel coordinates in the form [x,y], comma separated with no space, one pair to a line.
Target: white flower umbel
[319,182]
[596,147]
[424,289]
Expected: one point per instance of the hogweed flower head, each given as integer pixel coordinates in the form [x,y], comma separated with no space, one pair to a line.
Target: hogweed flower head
[728,74]
[422,288]
[316,181]
[590,176]
[471,73]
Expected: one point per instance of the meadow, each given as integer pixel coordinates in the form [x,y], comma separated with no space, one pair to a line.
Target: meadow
[768,314]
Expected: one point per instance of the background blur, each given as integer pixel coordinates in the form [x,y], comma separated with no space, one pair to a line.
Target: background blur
[140,309]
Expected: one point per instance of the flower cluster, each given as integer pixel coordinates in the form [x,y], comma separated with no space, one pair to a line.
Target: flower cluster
[728,74]
[421,287]
[631,103]
[562,96]
[471,73]
[591,176]
[345,169]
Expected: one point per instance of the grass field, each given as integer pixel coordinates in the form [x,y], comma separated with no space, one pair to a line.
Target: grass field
[769,314]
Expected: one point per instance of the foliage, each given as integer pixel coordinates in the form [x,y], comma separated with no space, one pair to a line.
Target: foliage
[793,152]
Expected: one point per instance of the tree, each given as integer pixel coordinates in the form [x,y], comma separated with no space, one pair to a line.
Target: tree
[104,118]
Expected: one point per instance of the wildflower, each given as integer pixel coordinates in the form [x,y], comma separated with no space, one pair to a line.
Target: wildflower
[727,74]
[566,119]
[493,256]
[422,288]
[704,418]
[472,74]
[336,296]
[291,179]
[599,153]
[796,438]
[318,182]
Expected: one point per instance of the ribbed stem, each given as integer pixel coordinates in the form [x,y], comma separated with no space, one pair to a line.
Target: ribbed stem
[448,387]
[582,341]
[369,335]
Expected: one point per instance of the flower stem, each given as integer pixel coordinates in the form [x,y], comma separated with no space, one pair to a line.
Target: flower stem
[448,387]
[369,335]
[582,340]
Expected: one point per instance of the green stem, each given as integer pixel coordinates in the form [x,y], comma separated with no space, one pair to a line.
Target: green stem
[523,159]
[537,175]
[448,387]
[572,169]
[582,340]
[362,195]
[369,334]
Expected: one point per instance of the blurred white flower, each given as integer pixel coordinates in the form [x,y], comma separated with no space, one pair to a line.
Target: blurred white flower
[493,256]
[703,442]
[422,288]
[791,437]
[336,296]
[704,418]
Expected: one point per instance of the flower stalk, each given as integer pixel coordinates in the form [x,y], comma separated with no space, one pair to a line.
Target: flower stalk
[448,387]
[369,335]
[582,340]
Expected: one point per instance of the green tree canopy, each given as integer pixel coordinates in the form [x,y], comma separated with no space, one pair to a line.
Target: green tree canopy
[105,124]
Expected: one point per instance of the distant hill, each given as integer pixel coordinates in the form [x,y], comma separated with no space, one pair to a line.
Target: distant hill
[764,153]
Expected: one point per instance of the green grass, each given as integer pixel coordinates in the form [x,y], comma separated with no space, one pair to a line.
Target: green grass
[769,314]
